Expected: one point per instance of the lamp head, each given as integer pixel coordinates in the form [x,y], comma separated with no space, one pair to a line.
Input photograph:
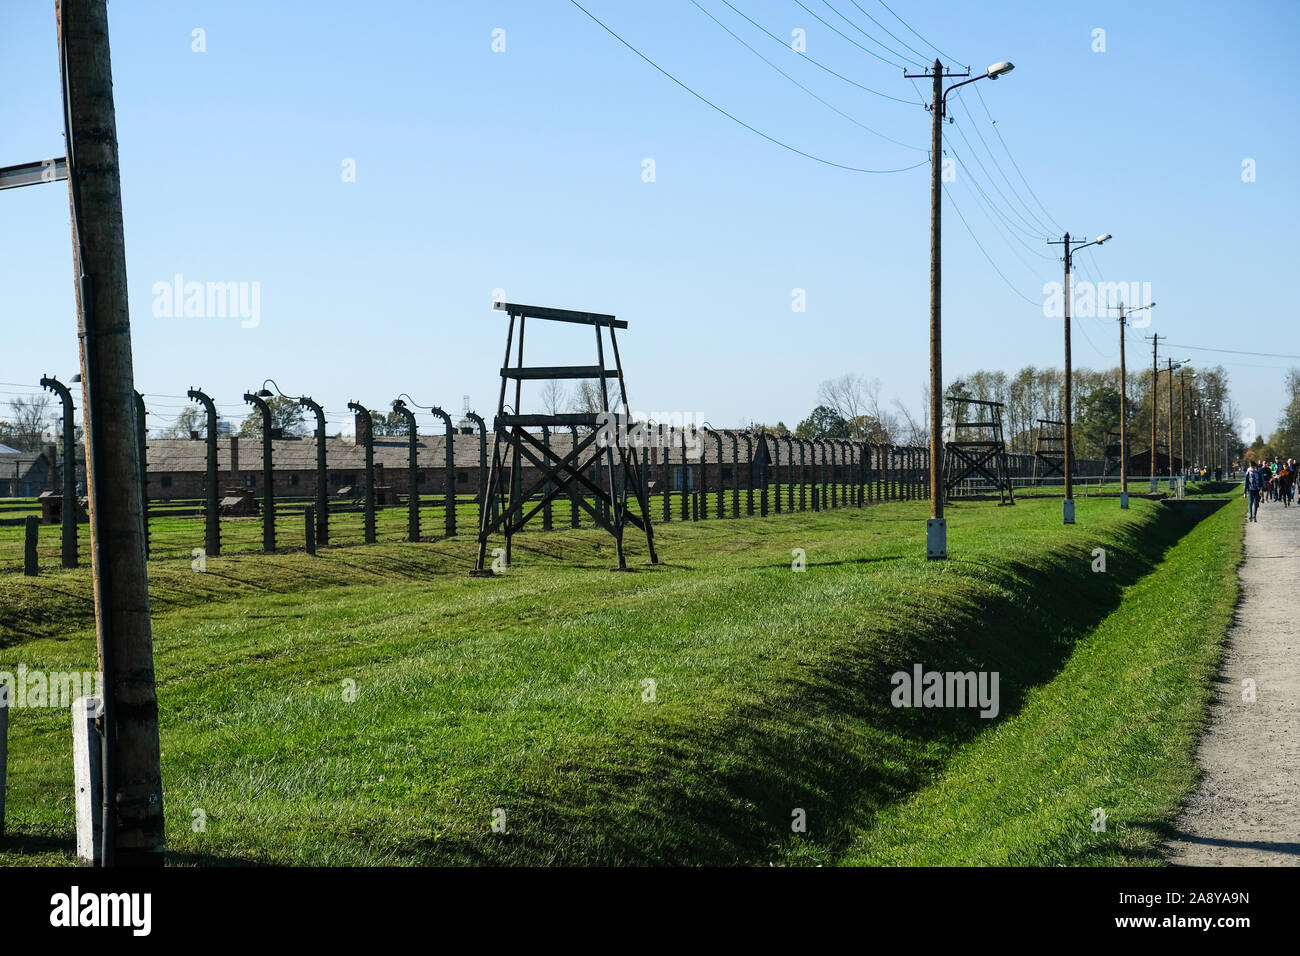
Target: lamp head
[265,393]
[1105,237]
[997,69]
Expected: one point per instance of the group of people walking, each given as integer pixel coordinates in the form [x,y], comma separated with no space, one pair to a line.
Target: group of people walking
[1274,479]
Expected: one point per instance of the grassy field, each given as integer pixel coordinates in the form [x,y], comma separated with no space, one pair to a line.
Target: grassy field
[528,693]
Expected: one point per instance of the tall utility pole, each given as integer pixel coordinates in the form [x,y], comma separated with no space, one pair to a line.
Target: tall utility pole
[1170,419]
[1068,506]
[1123,405]
[133,831]
[936,534]
[1182,421]
[1155,404]
[1123,415]
[937,549]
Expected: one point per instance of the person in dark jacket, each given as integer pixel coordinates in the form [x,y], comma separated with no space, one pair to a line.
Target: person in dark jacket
[1254,487]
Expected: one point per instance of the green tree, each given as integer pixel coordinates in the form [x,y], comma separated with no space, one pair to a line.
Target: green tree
[286,418]
[1098,416]
[822,422]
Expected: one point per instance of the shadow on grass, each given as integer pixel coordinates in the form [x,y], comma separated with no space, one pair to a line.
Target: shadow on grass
[824,739]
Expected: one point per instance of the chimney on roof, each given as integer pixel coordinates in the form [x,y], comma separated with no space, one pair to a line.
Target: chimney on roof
[194,435]
[234,453]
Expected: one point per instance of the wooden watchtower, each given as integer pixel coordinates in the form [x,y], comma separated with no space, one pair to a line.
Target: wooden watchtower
[1049,450]
[605,496]
[978,451]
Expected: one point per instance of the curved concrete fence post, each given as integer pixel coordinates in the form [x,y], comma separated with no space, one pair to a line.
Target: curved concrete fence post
[211,514]
[322,515]
[363,414]
[482,462]
[449,482]
[412,471]
[268,474]
[68,507]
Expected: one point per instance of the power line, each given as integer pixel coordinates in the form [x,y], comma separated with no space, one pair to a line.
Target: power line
[1009,222]
[1006,234]
[922,39]
[898,66]
[829,106]
[1014,164]
[1206,348]
[818,63]
[887,30]
[883,46]
[710,103]
[985,252]
[1038,223]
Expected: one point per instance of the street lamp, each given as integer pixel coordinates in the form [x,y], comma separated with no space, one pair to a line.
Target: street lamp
[1068,505]
[936,534]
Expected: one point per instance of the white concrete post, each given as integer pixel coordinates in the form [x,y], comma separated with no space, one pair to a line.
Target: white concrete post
[87,774]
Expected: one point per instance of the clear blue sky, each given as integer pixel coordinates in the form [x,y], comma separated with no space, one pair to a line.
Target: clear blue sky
[522,170]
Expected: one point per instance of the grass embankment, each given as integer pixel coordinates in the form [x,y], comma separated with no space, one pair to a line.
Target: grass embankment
[1115,730]
[527,693]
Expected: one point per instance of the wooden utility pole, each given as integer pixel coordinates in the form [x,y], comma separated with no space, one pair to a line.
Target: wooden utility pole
[1182,420]
[1155,404]
[1170,439]
[936,306]
[133,808]
[1123,412]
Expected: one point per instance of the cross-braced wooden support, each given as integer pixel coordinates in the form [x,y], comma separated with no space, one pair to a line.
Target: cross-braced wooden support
[1049,449]
[605,451]
[978,451]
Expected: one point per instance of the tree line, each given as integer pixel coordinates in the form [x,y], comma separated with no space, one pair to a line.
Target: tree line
[852,406]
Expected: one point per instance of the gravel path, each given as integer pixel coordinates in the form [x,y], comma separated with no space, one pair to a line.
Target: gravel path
[1246,810]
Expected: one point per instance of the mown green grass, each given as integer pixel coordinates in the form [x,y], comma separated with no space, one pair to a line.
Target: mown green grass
[525,692]
[1115,730]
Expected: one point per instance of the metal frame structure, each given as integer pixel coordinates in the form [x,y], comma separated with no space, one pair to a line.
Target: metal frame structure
[983,455]
[1049,450]
[620,477]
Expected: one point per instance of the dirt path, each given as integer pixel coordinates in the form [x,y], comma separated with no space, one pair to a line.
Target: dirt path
[1246,811]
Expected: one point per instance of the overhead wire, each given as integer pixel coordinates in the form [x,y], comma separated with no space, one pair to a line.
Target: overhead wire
[817,63]
[883,46]
[829,106]
[921,38]
[735,119]
[833,29]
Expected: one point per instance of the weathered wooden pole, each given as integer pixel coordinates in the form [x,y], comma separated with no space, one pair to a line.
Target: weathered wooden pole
[133,832]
